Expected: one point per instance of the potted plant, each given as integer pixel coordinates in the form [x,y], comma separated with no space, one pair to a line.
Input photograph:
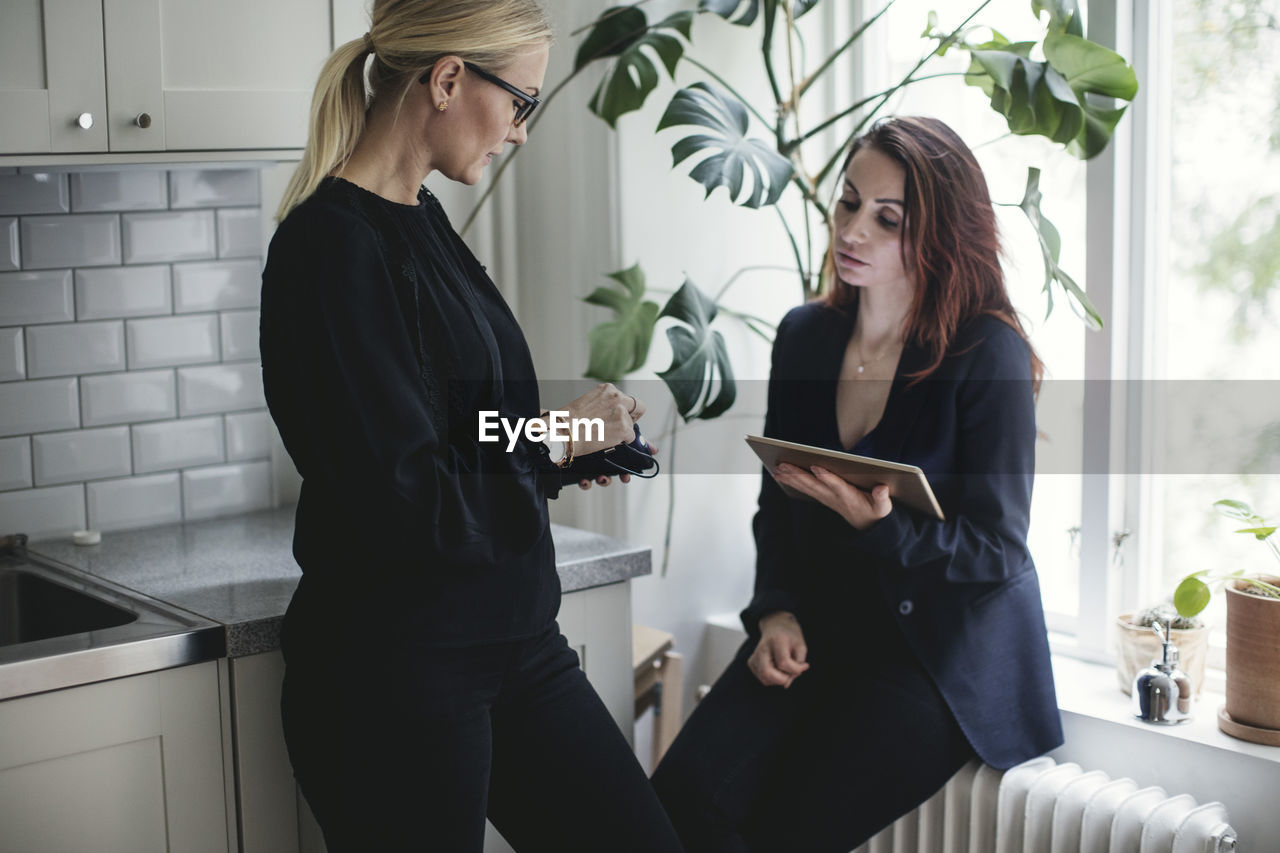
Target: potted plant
[1138,644]
[1252,709]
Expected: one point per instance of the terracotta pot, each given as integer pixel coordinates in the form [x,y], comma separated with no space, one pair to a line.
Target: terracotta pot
[1253,657]
[1138,646]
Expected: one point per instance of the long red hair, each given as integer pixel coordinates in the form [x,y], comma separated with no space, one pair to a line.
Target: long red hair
[949,239]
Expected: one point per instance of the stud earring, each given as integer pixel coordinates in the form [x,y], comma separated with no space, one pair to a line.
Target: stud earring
[442,106]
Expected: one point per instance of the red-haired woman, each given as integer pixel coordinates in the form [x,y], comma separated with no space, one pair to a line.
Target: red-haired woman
[885,648]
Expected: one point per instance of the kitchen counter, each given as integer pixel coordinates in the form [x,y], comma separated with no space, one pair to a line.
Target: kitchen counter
[239,571]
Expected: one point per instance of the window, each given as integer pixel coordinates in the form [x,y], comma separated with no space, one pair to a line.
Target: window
[1216,346]
[1175,233]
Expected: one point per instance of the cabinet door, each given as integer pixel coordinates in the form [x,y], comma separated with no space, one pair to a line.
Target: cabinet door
[126,766]
[51,67]
[207,76]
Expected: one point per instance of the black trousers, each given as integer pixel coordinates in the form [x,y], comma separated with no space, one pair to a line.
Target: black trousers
[855,743]
[410,749]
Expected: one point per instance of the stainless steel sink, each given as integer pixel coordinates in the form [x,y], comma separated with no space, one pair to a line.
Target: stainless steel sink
[33,607]
[60,627]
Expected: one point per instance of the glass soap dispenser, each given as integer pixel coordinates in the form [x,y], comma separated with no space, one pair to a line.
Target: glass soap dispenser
[1162,692]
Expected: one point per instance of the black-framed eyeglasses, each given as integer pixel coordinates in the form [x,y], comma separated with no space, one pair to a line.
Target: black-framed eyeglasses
[528,103]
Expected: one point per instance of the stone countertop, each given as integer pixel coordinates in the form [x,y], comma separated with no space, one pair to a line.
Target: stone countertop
[239,571]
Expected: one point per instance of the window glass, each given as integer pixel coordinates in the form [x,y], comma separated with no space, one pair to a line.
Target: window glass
[1218,345]
[1059,337]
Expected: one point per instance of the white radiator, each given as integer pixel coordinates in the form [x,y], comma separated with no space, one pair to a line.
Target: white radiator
[1045,807]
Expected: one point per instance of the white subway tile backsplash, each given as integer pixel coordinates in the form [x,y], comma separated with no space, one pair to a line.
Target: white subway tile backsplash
[44,513]
[207,492]
[75,348]
[130,386]
[219,388]
[83,240]
[212,187]
[15,464]
[248,436]
[127,190]
[120,398]
[135,502]
[170,341]
[9,257]
[170,236]
[36,297]
[38,406]
[86,454]
[108,292]
[177,444]
[240,335]
[216,286]
[13,363]
[33,193]
[239,233]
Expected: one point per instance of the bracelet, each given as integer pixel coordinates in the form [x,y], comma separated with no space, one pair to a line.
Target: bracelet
[568,453]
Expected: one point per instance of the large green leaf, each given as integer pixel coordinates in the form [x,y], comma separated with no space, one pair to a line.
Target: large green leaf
[700,376]
[1050,248]
[1055,99]
[732,153]
[624,33]
[621,345]
[1089,67]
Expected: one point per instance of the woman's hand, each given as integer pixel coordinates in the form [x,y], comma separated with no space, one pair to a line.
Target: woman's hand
[779,658]
[616,408]
[860,508]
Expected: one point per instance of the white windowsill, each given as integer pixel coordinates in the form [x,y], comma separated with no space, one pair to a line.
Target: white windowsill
[1091,690]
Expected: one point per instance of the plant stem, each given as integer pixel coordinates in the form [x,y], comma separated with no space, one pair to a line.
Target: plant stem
[890,92]
[696,64]
[748,319]
[795,248]
[859,104]
[766,50]
[830,60]
[671,492]
[755,268]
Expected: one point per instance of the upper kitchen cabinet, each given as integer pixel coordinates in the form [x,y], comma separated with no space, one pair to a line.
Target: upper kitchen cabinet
[52,91]
[158,75]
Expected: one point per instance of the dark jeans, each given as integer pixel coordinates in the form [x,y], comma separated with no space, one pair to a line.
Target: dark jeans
[852,745]
[410,749]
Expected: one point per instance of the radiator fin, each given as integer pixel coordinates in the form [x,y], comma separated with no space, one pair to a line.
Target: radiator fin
[1045,807]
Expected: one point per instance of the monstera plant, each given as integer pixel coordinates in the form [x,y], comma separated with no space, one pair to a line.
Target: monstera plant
[1063,87]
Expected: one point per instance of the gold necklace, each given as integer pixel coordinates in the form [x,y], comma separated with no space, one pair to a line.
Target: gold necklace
[862,362]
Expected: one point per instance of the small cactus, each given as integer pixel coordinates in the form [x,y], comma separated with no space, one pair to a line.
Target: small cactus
[1165,614]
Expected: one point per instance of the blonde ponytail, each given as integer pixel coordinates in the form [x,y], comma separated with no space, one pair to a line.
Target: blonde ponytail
[406,38]
[337,119]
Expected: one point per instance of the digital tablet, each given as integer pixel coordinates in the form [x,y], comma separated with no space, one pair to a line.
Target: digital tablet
[906,483]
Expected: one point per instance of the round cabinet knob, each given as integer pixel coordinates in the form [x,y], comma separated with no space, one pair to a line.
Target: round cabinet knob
[143,120]
[84,121]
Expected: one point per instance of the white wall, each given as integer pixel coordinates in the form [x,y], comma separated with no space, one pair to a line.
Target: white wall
[589,202]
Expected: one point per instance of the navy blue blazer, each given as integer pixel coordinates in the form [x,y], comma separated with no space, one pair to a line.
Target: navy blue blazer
[963,591]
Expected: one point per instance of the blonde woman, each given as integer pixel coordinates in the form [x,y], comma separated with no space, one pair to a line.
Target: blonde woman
[427,683]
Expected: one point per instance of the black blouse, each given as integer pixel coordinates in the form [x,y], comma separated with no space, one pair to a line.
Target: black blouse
[382,339]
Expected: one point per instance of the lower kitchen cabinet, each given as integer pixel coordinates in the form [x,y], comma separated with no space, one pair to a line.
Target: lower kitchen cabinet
[132,765]
[273,817]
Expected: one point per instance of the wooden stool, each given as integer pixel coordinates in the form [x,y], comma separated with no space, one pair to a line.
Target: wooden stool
[659,679]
